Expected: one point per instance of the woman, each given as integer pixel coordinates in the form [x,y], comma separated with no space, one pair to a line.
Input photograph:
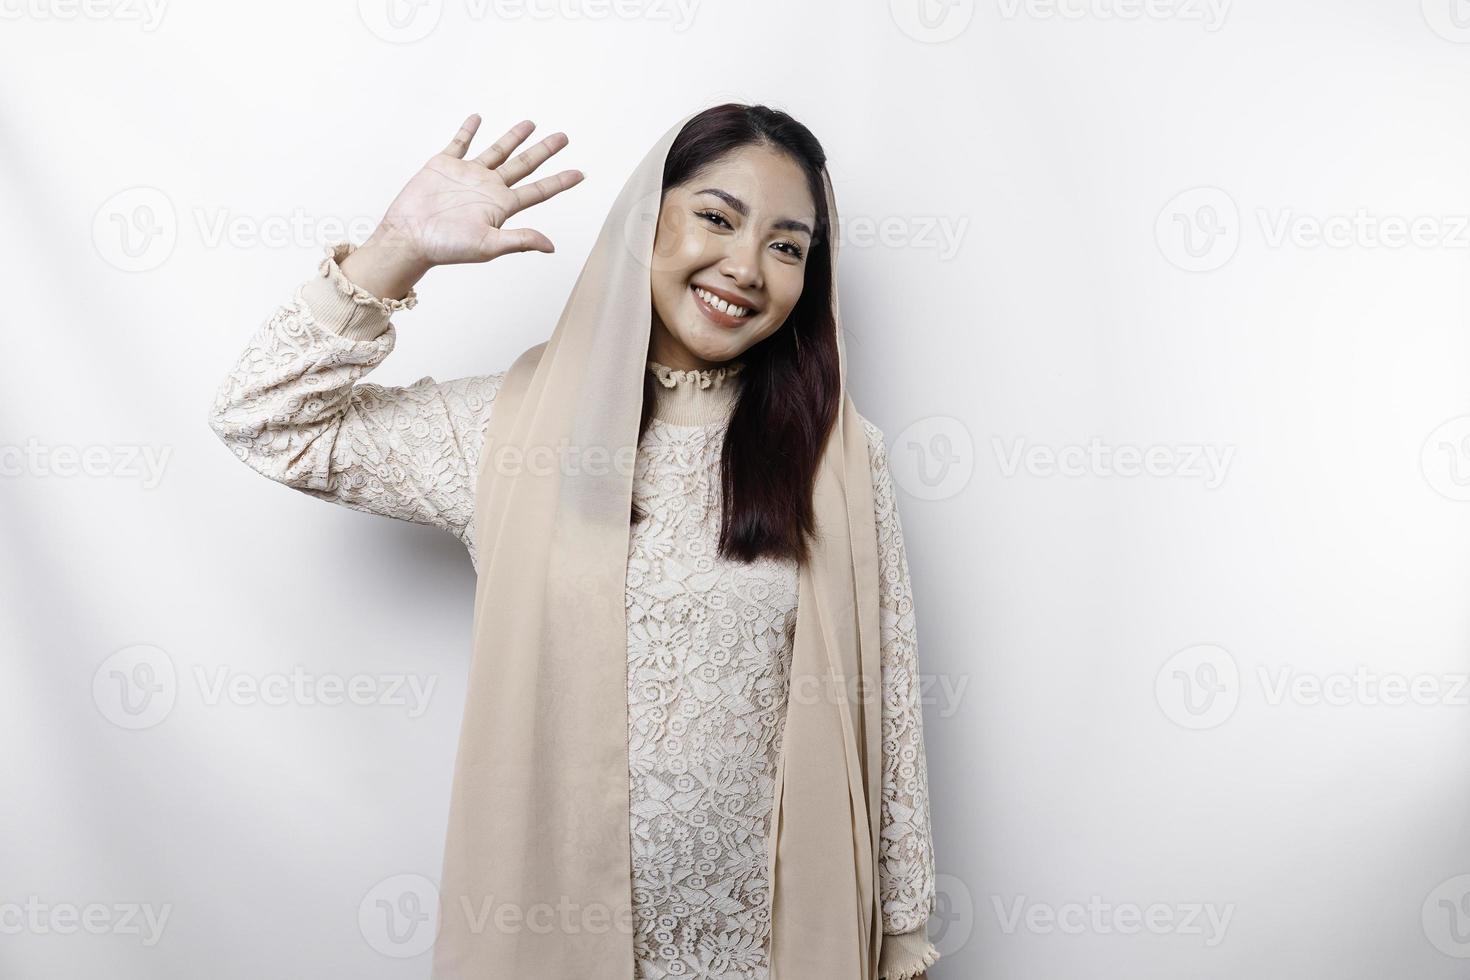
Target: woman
[652,734]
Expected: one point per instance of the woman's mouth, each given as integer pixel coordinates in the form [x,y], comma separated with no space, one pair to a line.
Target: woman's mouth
[717,310]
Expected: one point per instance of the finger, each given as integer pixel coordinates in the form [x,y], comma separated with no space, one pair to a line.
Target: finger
[531,159]
[544,188]
[496,152]
[522,240]
[461,141]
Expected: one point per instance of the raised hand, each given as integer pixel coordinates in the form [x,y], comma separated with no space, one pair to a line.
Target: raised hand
[454,210]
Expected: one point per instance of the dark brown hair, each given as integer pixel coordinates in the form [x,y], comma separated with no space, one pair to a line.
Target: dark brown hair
[790,393]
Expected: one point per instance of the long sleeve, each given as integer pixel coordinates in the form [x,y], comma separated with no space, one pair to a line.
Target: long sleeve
[292,409]
[906,875]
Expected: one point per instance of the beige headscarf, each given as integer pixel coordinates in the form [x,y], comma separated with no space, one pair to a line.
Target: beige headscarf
[537,881]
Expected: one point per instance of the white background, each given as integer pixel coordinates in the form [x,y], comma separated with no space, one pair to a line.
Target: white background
[1130,193]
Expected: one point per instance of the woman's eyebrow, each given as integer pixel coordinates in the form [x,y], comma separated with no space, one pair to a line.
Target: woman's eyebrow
[785,224]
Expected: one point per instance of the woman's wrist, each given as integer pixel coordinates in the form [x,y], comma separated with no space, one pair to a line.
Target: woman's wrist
[385,265]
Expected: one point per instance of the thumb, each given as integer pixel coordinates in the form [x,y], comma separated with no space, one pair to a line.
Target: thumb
[522,240]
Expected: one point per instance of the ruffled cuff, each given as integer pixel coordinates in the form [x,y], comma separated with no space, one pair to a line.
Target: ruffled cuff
[344,307]
[906,954]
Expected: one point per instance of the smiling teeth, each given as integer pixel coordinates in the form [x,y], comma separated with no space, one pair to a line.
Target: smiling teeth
[721,305]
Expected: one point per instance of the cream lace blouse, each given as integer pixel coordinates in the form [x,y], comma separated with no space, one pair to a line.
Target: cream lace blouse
[709,640]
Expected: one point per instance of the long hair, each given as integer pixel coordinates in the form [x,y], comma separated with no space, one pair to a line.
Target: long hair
[791,389]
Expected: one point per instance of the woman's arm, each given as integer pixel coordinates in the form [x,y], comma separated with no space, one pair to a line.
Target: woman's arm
[906,851]
[293,409]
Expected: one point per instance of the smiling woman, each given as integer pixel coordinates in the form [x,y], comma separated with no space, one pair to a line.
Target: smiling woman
[730,257]
[704,789]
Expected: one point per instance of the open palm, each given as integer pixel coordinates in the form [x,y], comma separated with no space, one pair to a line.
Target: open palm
[454,210]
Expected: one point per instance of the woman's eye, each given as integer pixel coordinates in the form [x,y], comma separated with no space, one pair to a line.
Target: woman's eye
[792,249]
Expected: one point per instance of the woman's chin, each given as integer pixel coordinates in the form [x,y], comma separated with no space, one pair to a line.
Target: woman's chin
[713,343]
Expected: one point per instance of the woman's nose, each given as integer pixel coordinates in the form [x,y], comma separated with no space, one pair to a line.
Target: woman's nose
[742,262]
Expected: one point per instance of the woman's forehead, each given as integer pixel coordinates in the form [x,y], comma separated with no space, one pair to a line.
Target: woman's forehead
[764,185]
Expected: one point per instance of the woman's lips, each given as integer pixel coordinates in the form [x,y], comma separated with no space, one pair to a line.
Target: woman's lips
[722,319]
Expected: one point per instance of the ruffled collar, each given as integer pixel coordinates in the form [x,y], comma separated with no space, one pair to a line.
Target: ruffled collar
[695,397]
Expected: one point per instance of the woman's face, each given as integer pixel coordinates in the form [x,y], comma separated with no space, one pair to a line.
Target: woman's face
[741,230]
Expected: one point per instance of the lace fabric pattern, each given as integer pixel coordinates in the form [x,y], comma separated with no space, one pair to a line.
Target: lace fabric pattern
[709,641]
[292,409]
[708,662]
